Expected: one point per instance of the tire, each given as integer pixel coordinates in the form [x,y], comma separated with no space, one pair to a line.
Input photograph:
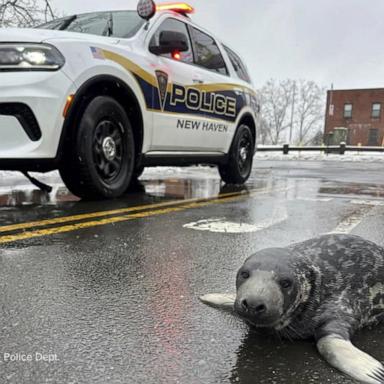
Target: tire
[138,172]
[135,184]
[240,158]
[99,161]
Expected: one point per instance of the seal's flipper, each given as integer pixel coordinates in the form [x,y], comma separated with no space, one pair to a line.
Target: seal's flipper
[344,356]
[225,301]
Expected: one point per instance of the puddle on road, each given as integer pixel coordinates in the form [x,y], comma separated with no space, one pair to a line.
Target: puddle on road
[182,188]
[274,361]
[27,197]
[348,189]
[145,191]
[191,189]
[189,184]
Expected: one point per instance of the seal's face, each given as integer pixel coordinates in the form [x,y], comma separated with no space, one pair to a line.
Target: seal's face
[267,288]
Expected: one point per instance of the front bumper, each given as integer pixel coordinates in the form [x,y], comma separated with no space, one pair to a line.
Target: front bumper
[31,115]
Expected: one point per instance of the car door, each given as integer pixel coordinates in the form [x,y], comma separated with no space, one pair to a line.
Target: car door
[221,98]
[176,127]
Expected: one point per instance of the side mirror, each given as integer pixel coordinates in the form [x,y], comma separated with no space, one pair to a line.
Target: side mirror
[146,9]
[170,42]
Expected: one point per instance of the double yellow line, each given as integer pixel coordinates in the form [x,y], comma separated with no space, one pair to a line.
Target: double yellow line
[25,231]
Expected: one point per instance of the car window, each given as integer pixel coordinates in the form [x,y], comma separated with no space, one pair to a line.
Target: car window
[126,24]
[121,24]
[92,23]
[207,52]
[174,26]
[55,24]
[238,65]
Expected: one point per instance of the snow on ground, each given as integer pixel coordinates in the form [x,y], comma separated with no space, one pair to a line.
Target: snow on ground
[370,157]
[8,178]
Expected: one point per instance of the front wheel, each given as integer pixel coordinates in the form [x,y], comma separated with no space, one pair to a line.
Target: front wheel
[138,172]
[101,159]
[240,158]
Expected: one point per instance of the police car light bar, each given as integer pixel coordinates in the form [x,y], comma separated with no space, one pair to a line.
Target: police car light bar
[176,7]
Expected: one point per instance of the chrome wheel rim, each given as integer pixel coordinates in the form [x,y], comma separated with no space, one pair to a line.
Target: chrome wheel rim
[108,150]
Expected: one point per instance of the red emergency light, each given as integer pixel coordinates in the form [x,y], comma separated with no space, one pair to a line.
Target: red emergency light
[176,55]
[176,7]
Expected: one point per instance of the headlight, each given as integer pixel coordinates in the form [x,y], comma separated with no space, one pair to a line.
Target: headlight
[30,57]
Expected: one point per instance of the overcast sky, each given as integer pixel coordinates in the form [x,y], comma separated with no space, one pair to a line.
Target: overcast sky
[329,41]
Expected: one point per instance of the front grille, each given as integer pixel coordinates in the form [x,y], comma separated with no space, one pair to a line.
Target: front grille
[25,116]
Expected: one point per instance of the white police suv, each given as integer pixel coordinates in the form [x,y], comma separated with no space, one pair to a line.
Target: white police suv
[100,96]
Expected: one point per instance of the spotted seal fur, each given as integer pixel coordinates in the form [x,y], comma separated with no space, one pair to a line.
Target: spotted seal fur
[327,288]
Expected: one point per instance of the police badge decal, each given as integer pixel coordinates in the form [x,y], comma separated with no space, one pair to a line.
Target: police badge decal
[162,81]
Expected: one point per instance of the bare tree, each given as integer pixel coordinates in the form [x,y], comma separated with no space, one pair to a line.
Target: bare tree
[295,104]
[318,138]
[309,111]
[263,132]
[276,99]
[25,13]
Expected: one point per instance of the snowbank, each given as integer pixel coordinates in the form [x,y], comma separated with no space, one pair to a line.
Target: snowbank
[368,157]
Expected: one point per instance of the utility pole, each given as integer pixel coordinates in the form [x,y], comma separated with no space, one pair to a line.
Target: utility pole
[292,111]
[329,112]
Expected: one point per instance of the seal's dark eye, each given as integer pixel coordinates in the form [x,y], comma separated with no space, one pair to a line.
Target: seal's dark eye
[245,274]
[286,283]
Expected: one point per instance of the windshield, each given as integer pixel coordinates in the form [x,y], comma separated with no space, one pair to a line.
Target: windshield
[122,24]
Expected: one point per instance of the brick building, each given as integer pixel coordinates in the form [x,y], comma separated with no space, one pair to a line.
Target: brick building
[355,116]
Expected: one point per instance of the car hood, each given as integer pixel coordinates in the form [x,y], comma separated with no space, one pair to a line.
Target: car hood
[33,35]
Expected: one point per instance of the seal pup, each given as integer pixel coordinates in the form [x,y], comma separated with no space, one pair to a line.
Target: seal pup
[327,288]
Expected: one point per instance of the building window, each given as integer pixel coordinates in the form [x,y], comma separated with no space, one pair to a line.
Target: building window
[376,110]
[373,138]
[348,111]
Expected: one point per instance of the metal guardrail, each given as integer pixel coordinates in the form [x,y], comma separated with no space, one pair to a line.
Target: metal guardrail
[336,149]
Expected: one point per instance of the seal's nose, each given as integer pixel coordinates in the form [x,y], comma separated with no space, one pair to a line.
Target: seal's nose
[256,306]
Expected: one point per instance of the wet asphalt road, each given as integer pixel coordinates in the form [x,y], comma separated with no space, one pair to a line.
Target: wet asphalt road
[117,303]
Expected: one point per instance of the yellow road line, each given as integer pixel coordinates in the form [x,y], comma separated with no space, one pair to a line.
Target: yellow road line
[66,219]
[119,219]
[111,220]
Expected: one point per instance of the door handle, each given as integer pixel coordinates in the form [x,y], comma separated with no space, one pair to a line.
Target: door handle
[198,81]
